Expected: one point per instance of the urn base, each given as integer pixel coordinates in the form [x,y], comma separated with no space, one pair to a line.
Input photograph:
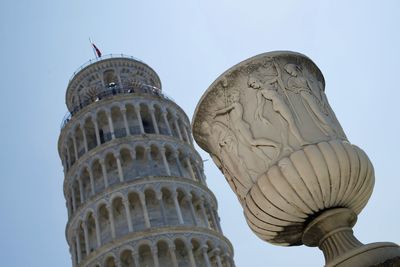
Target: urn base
[332,232]
[380,254]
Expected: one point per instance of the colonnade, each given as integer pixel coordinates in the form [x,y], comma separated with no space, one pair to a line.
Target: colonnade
[120,120]
[129,162]
[136,211]
[165,252]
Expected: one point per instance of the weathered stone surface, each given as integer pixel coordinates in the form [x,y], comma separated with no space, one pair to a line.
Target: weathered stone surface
[134,184]
[268,126]
[389,263]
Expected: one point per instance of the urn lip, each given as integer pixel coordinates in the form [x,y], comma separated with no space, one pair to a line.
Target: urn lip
[197,115]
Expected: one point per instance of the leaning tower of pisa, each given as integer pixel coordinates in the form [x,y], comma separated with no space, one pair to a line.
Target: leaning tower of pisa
[134,185]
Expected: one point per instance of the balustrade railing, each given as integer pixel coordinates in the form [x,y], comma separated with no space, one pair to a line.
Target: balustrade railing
[111,91]
[134,129]
[163,130]
[107,137]
[119,133]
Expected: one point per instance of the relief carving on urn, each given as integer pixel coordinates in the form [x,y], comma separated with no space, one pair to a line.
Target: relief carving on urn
[268,126]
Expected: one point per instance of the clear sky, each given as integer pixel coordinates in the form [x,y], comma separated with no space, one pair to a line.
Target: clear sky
[189,43]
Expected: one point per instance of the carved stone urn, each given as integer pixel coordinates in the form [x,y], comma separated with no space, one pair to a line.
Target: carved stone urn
[268,126]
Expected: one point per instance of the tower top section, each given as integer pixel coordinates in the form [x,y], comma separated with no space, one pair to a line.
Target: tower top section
[109,74]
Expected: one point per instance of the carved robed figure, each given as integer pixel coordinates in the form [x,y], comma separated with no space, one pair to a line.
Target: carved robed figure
[268,126]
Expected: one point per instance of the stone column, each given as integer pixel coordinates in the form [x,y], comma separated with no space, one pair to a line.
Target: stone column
[217,257]
[69,207]
[81,190]
[177,127]
[75,147]
[147,153]
[119,166]
[203,176]
[135,257]
[204,250]
[84,138]
[126,204]
[104,171]
[118,261]
[73,254]
[123,111]
[68,157]
[96,130]
[178,163]
[111,217]
[86,236]
[153,119]
[164,115]
[218,220]
[98,233]
[196,171]
[133,155]
[214,221]
[186,134]
[191,256]
[203,211]
[147,156]
[189,164]
[162,208]
[73,199]
[189,134]
[110,124]
[173,255]
[78,247]
[139,117]
[154,253]
[165,161]
[177,207]
[144,209]
[192,211]
[91,180]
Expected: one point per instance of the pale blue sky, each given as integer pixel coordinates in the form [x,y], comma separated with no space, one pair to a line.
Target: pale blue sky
[189,43]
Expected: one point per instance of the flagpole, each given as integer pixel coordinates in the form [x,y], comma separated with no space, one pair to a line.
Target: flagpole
[94,51]
[97,50]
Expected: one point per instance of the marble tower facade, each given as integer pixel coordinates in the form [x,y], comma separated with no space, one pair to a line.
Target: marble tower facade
[134,185]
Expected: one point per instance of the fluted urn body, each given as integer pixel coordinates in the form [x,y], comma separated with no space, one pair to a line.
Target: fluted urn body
[268,126]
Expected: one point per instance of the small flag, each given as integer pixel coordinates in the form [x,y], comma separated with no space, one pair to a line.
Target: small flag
[97,51]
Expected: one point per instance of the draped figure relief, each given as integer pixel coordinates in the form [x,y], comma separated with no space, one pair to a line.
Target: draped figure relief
[262,112]
[268,91]
[313,102]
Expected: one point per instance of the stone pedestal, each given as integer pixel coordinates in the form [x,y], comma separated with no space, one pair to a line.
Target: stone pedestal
[268,126]
[332,232]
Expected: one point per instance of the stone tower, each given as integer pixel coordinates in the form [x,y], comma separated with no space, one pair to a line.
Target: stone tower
[134,184]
